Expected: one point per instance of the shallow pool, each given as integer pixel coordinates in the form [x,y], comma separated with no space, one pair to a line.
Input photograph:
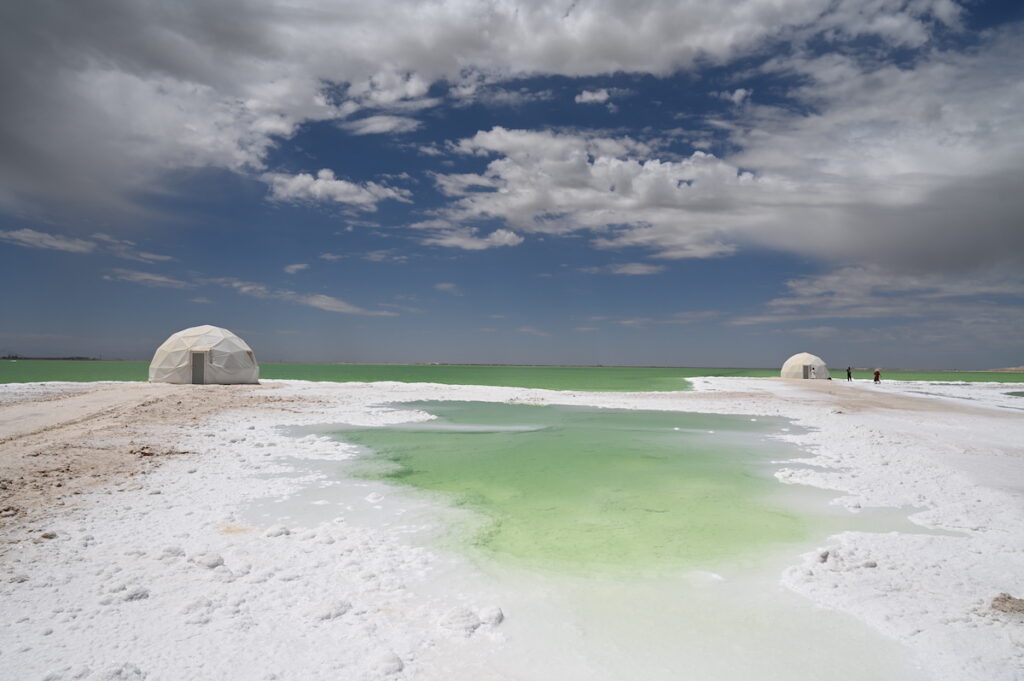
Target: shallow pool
[619,544]
[580,488]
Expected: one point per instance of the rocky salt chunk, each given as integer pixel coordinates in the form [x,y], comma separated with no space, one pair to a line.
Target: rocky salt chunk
[461,620]
[135,593]
[207,560]
[332,610]
[492,616]
[277,531]
[388,663]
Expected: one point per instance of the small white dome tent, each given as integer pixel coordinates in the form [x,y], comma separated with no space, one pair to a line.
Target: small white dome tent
[204,354]
[805,365]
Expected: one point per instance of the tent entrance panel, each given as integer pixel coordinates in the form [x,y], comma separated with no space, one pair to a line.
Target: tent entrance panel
[198,367]
[807,371]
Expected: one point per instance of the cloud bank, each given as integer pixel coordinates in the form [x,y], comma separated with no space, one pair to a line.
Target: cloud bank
[103,99]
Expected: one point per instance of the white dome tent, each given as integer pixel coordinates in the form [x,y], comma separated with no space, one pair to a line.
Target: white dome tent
[805,365]
[204,354]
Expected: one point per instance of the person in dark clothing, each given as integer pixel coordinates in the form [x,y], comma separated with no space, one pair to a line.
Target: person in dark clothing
[849,373]
[878,376]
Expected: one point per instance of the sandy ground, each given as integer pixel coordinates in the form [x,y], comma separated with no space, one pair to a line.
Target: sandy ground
[59,439]
[124,552]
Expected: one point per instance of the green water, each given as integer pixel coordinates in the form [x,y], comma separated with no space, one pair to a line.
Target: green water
[33,371]
[587,488]
[628,379]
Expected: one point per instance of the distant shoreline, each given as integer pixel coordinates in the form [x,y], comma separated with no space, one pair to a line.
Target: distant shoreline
[1009,370]
[15,358]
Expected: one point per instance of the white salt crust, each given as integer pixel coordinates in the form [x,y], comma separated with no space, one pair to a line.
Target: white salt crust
[168,578]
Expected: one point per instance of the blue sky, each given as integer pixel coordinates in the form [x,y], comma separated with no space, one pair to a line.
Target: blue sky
[672,183]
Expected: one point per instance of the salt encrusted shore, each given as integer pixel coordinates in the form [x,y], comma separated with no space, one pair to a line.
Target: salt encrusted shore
[142,563]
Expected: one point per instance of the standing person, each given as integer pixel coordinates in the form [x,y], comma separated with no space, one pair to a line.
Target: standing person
[814,372]
[878,375]
[849,373]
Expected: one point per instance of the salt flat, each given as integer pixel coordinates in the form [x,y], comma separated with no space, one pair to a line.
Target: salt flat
[129,549]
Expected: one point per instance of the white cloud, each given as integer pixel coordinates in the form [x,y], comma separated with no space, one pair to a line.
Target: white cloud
[466,239]
[476,87]
[385,255]
[325,187]
[927,315]
[636,268]
[30,238]
[872,292]
[110,105]
[533,331]
[293,269]
[331,257]
[127,249]
[448,287]
[914,166]
[592,96]
[688,317]
[381,124]
[430,150]
[737,96]
[317,300]
[907,166]
[550,182]
[98,243]
[146,279]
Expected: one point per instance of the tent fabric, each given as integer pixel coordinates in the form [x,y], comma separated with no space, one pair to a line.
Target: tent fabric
[227,358]
[794,366]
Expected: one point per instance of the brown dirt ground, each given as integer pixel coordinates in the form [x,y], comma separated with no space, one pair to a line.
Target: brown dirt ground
[54,447]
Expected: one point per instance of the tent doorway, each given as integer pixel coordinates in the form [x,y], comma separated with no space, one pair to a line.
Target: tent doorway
[198,367]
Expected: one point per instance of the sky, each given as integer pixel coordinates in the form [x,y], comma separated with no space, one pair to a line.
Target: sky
[644,182]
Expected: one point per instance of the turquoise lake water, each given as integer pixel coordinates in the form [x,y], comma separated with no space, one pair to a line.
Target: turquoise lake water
[616,379]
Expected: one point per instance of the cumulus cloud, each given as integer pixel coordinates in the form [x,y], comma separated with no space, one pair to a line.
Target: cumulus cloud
[326,187]
[552,182]
[592,96]
[102,100]
[477,87]
[467,239]
[906,165]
